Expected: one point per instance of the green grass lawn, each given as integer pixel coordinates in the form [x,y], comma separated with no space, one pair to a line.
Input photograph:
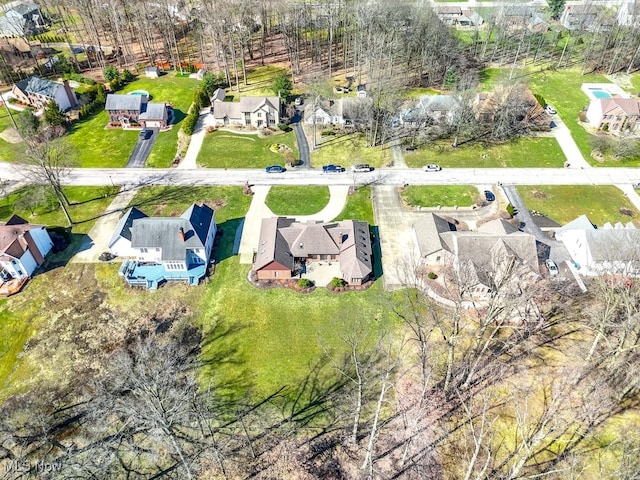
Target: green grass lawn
[259,81]
[225,149]
[88,203]
[635,81]
[444,195]
[99,147]
[523,152]
[564,203]
[347,150]
[293,201]
[9,152]
[358,207]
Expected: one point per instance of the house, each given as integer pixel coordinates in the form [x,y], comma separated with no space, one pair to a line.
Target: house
[23,247]
[258,112]
[430,109]
[613,249]
[136,110]
[151,72]
[38,92]
[347,112]
[586,17]
[522,18]
[361,91]
[287,246]
[629,14]
[21,20]
[488,105]
[615,114]
[496,257]
[164,249]
[459,17]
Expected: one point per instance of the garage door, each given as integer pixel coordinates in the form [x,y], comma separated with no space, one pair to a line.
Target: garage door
[152,124]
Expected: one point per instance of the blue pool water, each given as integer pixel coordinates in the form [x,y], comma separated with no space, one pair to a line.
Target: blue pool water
[140,92]
[600,94]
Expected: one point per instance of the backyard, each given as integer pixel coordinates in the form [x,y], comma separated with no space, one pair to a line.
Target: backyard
[563,203]
[227,149]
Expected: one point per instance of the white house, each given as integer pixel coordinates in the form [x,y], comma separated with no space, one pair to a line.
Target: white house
[258,112]
[611,249]
[615,114]
[38,92]
[342,111]
[23,247]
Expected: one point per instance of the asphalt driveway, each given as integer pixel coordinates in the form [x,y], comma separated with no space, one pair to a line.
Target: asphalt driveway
[142,150]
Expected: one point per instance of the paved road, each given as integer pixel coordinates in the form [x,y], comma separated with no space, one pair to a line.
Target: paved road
[142,150]
[382,176]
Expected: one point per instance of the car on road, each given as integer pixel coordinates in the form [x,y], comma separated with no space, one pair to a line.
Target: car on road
[552,267]
[361,167]
[77,50]
[274,169]
[489,196]
[549,109]
[432,167]
[332,169]
[145,133]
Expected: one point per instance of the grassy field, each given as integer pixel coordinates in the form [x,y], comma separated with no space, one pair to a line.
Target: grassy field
[259,81]
[87,204]
[292,201]
[347,150]
[444,195]
[523,152]
[9,152]
[224,149]
[99,147]
[564,203]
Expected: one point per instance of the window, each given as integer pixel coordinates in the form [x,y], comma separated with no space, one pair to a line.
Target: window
[144,250]
[157,249]
[259,115]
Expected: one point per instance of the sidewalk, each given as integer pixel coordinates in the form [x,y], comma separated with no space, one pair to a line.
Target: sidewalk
[204,120]
[97,240]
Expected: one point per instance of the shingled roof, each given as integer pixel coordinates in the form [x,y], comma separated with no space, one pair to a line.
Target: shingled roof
[116,101]
[38,86]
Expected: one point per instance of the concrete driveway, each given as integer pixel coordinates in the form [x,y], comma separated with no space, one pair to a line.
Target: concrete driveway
[142,150]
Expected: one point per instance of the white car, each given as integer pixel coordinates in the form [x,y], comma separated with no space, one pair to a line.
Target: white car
[361,167]
[550,110]
[432,167]
[553,268]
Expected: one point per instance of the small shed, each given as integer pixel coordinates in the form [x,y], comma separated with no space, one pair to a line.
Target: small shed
[361,91]
[152,72]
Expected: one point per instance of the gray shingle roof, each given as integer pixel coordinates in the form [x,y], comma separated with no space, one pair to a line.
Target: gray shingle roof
[37,85]
[154,111]
[428,230]
[116,101]
[123,227]
[236,110]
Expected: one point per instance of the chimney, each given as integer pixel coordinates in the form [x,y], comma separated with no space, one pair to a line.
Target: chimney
[181,234]
[340,239]
[70,93]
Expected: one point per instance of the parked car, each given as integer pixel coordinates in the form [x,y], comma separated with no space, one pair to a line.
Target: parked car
[361,167]
[432,167]
[298,101]
[489,196]
[77,50]
[549,109]
[274,169]
[145,133]
[553,268]
[332,169]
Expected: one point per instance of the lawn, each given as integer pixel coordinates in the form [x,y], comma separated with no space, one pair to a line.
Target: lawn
[225,149]
[441,195]
[87,204]
[293,201]
[635,81]
[523,152]
[9,152]
[259,81]
[347,150]
[358,207]
[99,147]
[564,203]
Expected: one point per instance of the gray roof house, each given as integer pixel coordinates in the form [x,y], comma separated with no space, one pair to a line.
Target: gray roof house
[164,249]
[348,112]
[21,20]
[459,17]
[258,112]
[124,110]
[38,92]
[612,249]
[286,246]
[428,109]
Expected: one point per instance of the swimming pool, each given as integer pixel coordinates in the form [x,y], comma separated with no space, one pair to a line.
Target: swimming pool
[140,92]
[600,94]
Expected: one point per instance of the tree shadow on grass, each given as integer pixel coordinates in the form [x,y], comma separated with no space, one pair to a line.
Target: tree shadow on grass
[376,250]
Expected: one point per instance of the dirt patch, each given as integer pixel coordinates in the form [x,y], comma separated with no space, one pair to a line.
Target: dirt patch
[626,212]
[540,195]
[11,135]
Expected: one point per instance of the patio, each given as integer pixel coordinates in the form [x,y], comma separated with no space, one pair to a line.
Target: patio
[599,91]
[321,273]
[151,276]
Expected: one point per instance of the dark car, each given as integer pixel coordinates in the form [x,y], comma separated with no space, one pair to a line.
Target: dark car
[274,169]
[145,133]
[489,196]
[332,169]
[77,50]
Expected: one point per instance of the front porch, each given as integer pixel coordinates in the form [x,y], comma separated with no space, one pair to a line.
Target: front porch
[152,275]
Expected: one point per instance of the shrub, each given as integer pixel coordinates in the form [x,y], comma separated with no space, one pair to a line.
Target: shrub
[327,133]
[336,283]
[284,127]
[189,123]
[511,210]
[305,283]
[540,99]
[432,275]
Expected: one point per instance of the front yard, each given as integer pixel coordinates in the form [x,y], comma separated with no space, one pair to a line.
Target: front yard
[228,149]
[346,150]
[564,203]
[293,201]
[441,195]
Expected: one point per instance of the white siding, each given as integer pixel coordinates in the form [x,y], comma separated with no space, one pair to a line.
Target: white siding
[148,254]
[42,240]
[122,248]
[62,99]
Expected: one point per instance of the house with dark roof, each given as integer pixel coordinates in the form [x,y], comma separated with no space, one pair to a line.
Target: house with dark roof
[587,17]
[164,249]
[347,112]
[21,20]
[23,247]
[459,17]
[286,246]
[258,112]
[524,107]
[612,249]
[496,257]
[522,17]
[438,109]
[38,92]
[615,114]
[135,110]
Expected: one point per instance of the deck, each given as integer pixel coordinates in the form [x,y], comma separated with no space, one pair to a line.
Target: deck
[151,276]
[12,286]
